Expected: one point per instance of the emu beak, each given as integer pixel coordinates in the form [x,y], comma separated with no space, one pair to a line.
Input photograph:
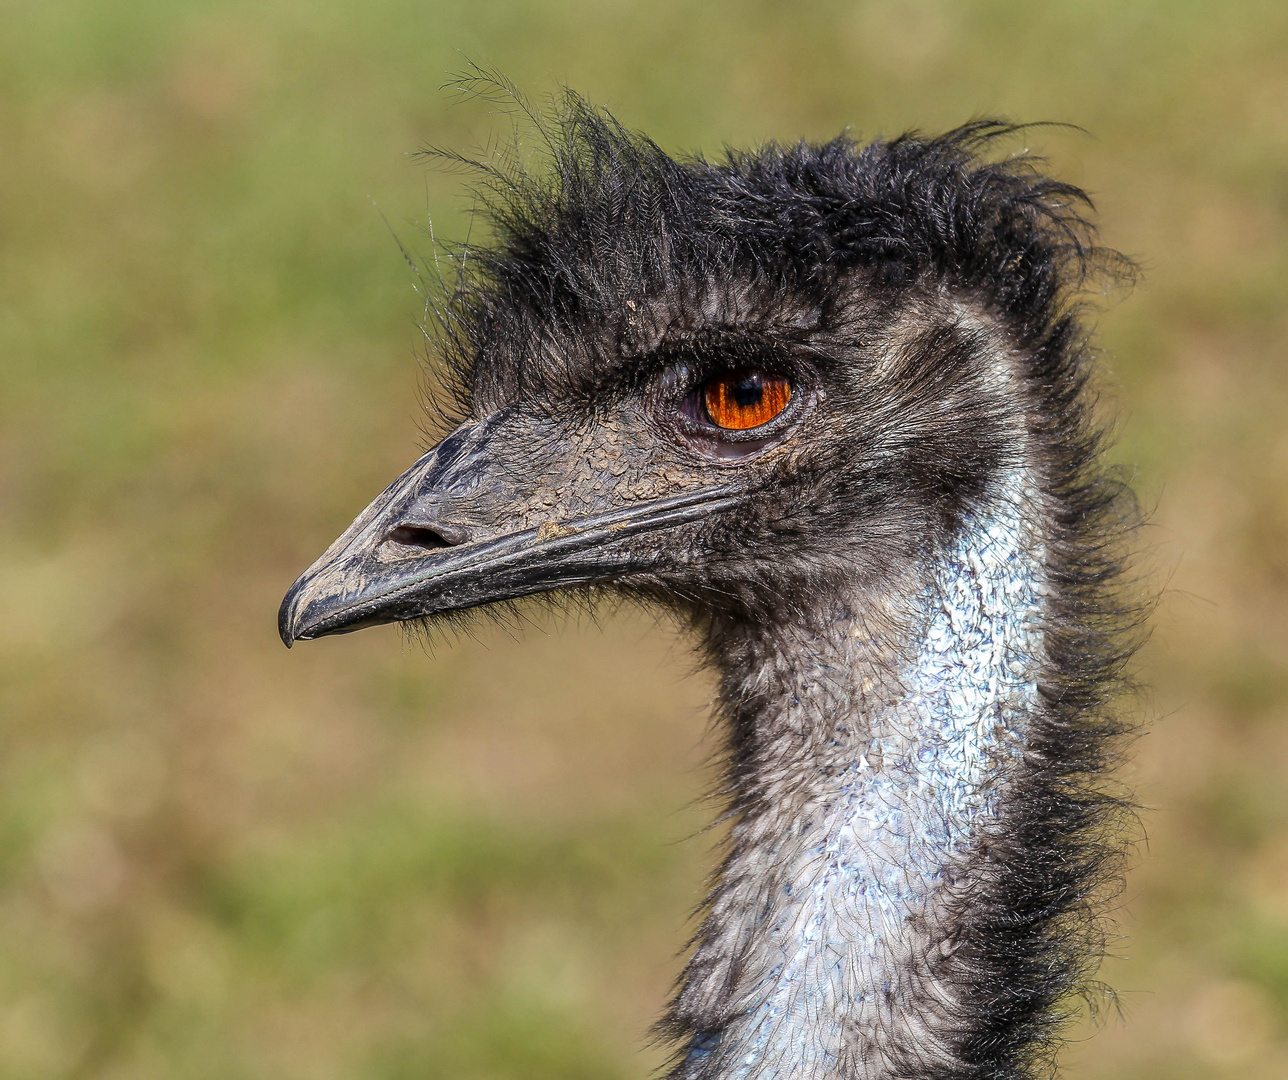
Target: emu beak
[408,555]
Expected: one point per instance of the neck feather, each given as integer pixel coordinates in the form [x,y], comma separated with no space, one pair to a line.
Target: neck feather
[874,755]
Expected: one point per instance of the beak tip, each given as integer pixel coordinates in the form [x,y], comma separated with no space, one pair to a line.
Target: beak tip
[286,619]
[298,619]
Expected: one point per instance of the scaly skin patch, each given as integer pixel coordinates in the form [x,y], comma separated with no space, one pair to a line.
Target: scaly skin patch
[840,972]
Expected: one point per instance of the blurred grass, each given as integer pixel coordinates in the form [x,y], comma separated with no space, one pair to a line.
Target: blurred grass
[218,859]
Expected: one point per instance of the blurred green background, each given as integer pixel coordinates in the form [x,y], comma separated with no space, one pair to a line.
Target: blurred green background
[222,860]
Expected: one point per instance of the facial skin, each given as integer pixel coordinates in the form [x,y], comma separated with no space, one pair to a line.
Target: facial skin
[518,502]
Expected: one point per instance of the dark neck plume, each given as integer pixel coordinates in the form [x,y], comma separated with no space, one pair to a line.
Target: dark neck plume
[893,900]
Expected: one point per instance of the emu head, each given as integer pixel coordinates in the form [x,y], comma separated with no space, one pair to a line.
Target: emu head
[729,387]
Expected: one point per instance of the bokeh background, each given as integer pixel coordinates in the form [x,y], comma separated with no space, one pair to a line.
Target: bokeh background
[222,860]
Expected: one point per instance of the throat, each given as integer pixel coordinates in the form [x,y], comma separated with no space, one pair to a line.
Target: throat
[872,771]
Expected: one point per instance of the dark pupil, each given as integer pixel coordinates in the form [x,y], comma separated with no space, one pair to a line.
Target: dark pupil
[748,391]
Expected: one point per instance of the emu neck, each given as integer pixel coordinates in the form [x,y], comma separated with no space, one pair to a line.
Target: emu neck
[872,754]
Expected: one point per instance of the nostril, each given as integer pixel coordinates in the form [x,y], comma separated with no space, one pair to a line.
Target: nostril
[421,537]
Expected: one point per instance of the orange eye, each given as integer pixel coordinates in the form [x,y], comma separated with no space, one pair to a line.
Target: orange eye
[745,399]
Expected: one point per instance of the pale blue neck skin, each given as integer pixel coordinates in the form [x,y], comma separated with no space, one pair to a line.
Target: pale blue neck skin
[839,976]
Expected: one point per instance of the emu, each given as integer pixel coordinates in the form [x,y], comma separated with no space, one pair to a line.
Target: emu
[832,406]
